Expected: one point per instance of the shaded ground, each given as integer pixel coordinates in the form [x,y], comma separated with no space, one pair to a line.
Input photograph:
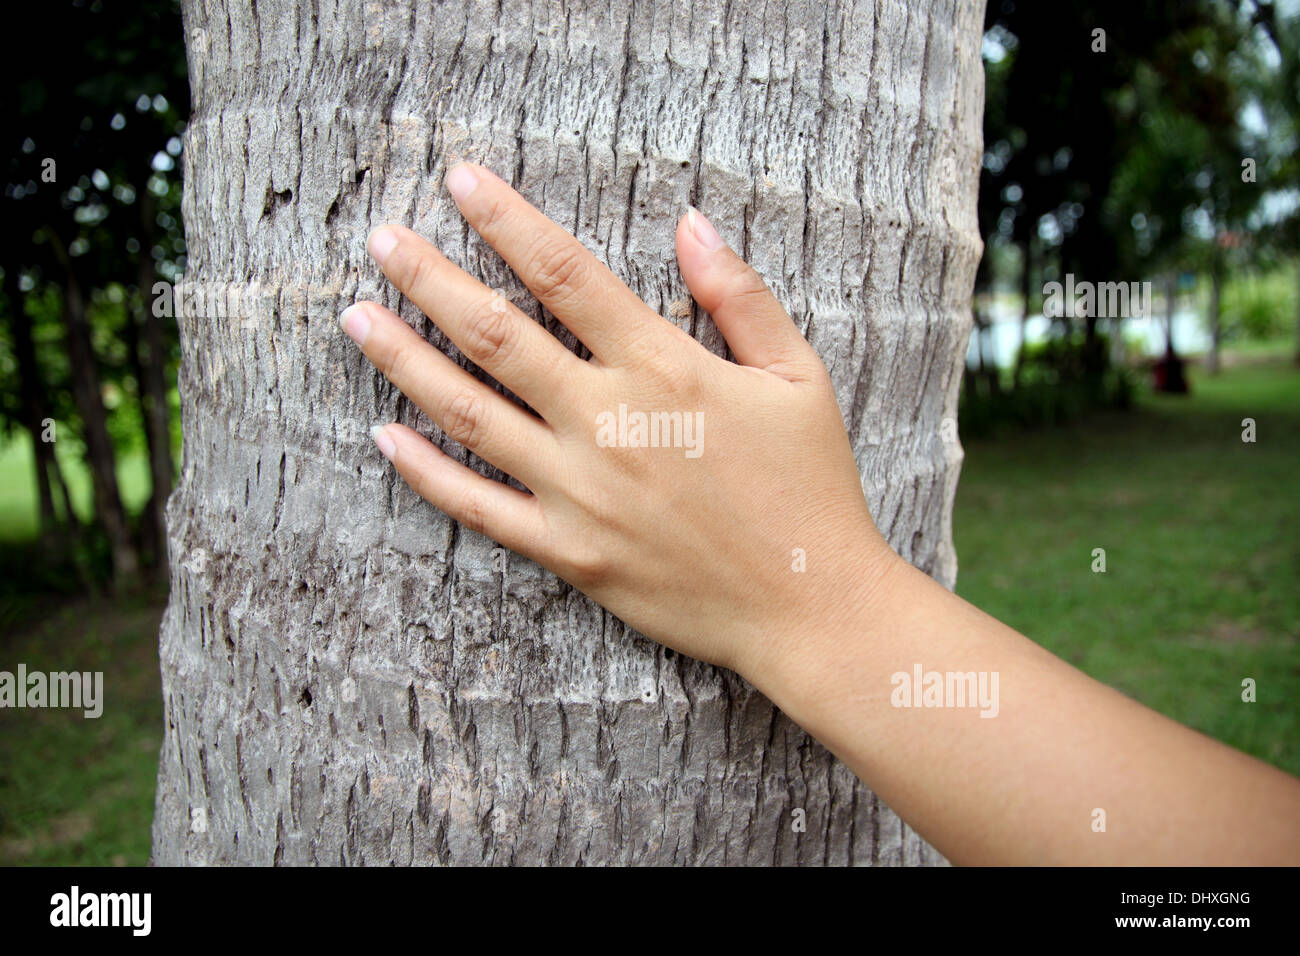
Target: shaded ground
[75,790]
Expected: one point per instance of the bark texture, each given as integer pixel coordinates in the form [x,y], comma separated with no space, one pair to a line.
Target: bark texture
[350,678]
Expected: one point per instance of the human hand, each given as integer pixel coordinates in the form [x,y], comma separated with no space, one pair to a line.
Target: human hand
[697,551]
[696,544]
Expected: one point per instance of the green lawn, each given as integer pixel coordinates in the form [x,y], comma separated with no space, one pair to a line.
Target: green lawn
[1202,539]
[75,790]
[18,498]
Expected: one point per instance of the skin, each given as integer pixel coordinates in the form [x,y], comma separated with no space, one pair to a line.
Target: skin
[696,552]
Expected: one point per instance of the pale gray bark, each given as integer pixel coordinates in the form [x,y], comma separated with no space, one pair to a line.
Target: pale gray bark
[347,676]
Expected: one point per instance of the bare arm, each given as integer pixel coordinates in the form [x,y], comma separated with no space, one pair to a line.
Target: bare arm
[690,539]
[1031,784]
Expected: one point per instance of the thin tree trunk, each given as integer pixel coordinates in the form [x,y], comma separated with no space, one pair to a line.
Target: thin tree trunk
[1172,377]
[351,678]
[100,458]
[62,499]
[153,392]
[1026,293]
[1171,305]
[1297,313]
[1216,332]
[70,541]
[151,532]
[31,390]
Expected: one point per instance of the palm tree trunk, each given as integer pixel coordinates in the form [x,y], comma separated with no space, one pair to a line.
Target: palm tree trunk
[351,678]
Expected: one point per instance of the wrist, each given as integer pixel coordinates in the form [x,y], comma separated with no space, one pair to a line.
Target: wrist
[840,612]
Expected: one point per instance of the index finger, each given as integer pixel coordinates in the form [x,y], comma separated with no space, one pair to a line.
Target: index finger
[607,316]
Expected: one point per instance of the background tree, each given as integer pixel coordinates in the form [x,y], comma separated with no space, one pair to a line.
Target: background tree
[348,676]
[1115,136]
[1269,72]
[1179,189]
[89,204]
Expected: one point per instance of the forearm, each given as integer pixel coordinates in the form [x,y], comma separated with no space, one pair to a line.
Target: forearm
[1023,784]
[779,479]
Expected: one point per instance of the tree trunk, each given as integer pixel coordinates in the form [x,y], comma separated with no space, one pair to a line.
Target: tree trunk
[1297,313]
[1170,376]
[1171,306]
[153,393]
[100,456]
[351,678]
[1026,296]
[1216,329]
[31,389]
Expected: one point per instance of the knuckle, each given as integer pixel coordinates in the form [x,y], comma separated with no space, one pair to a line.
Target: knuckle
[412,271]
[463,419]
[557,270]
[748,289]
[473,510]
[490,332]
[671,370]
[819,374]
[394,363]
[492,218]
[588,567]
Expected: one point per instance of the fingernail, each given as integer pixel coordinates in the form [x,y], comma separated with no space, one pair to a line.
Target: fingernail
[382,440]
[704,232]
[461,181]
[381,243]
[355,321]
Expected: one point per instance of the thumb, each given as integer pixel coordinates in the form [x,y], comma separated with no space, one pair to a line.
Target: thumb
[756,327]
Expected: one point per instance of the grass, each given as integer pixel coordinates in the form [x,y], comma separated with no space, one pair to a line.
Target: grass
[1201,533]
[18,497]
[75,790]
[1202,540]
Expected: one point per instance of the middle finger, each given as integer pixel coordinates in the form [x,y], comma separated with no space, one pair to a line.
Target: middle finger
[490,331]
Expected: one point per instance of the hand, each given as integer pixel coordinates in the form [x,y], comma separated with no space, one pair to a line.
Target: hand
[695,544]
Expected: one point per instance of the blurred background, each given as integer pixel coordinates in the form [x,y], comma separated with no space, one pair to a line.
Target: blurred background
[1147,141]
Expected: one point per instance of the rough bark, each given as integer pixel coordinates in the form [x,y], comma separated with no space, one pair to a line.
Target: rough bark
[349,677]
